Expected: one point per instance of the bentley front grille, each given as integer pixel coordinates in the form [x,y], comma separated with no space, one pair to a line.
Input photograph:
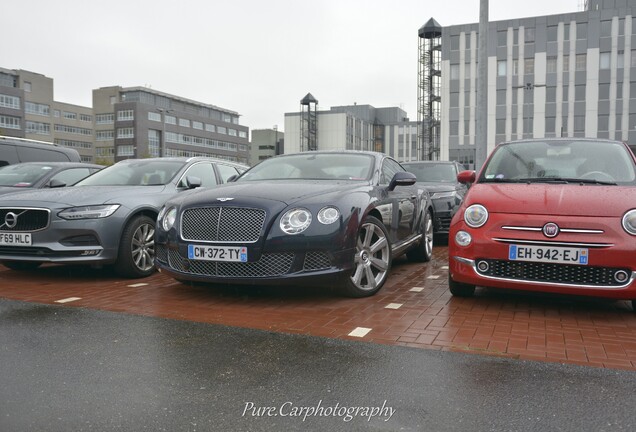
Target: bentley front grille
[554,273]
[316,261]
[270,265]
[222,224]
[23,219]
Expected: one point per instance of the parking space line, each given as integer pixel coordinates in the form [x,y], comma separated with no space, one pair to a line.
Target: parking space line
[417,289]
[68,300]
[137,285]
[393,306]
[360,332]
[433,277]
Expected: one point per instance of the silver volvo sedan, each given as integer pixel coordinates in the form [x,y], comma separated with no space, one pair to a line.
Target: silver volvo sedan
[107,218]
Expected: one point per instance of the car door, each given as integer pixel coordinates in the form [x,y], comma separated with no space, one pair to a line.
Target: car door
[400,206]
[204,171]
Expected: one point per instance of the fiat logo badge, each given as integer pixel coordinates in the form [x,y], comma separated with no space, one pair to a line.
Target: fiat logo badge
[550,230]
[11,220]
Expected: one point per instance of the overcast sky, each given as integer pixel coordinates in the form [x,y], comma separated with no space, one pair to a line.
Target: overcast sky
[255,57]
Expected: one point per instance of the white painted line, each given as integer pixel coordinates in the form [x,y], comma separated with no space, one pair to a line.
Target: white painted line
[393,306]
[417,289]
[444,267]
[67,300]
[433,277]
[360,332]
[137,285]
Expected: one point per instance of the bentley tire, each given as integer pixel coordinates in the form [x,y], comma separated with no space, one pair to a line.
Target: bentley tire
[372,260]
[423,252]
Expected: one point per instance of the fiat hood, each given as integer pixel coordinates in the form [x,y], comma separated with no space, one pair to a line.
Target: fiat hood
[553,199]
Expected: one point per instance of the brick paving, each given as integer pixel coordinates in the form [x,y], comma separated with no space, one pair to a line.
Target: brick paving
[413,309]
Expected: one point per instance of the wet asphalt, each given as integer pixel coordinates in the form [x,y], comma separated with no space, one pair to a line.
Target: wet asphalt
[73,369]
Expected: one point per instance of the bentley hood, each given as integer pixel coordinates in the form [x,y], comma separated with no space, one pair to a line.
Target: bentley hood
[553,199]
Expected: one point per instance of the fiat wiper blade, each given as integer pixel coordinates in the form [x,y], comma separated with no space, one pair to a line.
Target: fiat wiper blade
[566,180]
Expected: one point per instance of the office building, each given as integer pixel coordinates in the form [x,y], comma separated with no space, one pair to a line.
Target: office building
[266,143]
[28,110]
[570,75]
[351,127]
[140,122]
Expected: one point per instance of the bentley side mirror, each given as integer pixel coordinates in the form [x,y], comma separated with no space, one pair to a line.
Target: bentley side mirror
[402,178]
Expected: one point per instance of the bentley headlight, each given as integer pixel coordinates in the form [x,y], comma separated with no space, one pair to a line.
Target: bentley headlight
[476,216]
[88,212]
[168,219]
[295,221]
[629,222]
[328,215]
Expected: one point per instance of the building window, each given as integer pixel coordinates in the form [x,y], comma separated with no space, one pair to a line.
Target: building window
[242,134]
[73,130]
[125,150]
[603,122]
[113,100]
[453,128]
[606,28]
[549,124]
[10,122]
[454,72]
[7,101]
[604,60]
[454,43]
[124,115]
[27,86]
[501,97]
[500,126]
[125,133]
[227,118]
[579,123]
[231,132]
[154,116]
[620,60]
[104,135]
[552,33]
[502,66]
[154,142]
[221,130]
[184,122]
[566,32]
[528,66]
[502,38]
[197,125]
[170,119]
[566,63]
[36,108]
[210,128]
[529,35]
[603,91]
[550,94]
[581,30]
[105,118]
[551,65]
[86,117]
[56,113]
[579,92]
[38,128]
[69,115]
[581,62]
[515,67]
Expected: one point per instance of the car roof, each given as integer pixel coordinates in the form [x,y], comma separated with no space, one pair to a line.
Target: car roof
[60,164]
[185,160]
[428,162]
[563,139]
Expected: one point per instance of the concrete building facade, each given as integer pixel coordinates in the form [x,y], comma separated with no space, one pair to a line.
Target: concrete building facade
[138,122]
[266,143]
[358,127]
[28,110]
[569,75]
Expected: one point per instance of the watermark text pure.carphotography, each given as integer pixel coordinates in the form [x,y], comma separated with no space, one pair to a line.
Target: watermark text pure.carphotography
[292,410]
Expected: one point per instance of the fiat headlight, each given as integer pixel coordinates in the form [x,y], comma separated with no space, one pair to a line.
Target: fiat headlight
[168,218]
[629,222]
[88,212]
[295,221]
[328,215]
[462,238]
[476,215]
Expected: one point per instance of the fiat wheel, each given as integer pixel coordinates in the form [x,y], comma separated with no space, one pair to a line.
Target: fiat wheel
[372,260]
[137,248]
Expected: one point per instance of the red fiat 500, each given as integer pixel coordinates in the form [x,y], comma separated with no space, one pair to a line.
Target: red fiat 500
[551,215]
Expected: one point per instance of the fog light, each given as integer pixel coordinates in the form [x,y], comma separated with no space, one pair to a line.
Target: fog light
[621,276]
[483,266]
[462,238]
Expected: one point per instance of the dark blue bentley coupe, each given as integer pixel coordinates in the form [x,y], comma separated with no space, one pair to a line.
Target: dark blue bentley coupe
[318,218]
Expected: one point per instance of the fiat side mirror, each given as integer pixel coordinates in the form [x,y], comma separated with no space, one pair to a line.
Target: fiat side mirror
[466,177]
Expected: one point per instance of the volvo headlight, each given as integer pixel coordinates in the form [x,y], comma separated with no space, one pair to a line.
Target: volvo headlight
[629,222]
[438,195]
[476,215]
[88,212]
[168,218]
[328,215]
[295,221]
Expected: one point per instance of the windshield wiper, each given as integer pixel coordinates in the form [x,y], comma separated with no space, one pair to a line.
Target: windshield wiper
[502,180]
[566,180]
